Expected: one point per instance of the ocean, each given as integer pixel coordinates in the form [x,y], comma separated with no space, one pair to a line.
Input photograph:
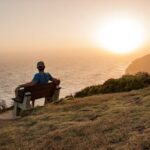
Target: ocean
[75,74]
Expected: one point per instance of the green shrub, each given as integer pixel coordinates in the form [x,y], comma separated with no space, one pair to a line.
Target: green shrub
[125,83]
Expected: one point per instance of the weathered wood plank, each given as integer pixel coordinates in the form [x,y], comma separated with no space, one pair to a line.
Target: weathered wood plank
[38,91]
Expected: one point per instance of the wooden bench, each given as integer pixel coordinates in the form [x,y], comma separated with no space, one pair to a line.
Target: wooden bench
[48,91]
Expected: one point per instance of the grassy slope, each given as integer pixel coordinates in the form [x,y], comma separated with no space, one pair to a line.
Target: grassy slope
[110,121]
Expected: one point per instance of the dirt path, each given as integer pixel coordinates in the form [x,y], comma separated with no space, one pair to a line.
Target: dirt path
[4,122]
[6,115]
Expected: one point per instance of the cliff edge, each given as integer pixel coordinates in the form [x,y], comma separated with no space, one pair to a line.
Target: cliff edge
[139,65]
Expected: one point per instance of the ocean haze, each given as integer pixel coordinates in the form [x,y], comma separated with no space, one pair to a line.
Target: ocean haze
[76,72]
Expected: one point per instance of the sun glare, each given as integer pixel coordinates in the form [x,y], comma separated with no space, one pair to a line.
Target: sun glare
[121,35]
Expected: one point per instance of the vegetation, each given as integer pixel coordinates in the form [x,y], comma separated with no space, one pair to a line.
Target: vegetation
[125,83]
[3,106]
[119,121]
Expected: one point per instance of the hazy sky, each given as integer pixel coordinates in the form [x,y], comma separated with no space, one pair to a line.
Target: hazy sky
[34,25]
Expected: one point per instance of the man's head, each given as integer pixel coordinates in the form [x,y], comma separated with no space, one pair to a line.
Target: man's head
[40,66]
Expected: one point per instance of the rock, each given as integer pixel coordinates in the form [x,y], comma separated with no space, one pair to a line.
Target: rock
[3,105]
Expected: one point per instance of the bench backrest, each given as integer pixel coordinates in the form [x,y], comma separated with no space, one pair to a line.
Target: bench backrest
[39,91]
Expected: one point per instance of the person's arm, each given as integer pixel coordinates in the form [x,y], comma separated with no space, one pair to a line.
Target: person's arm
[33,82]
[55,80]
[27,84]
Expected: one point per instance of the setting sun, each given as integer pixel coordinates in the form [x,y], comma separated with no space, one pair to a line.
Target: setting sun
[121,35]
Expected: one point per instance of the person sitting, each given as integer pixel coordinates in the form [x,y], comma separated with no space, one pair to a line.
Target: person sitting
[39,78]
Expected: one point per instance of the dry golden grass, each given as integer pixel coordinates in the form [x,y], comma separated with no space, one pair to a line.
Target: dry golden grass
[118,121]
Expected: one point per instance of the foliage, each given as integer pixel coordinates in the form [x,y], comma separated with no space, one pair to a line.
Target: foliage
[125,83]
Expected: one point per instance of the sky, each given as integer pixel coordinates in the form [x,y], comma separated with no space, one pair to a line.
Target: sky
[34,26]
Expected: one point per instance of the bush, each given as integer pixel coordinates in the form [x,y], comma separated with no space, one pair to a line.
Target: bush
[88,91]
[125,83]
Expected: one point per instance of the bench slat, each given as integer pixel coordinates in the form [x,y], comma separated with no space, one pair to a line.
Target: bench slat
[39,91]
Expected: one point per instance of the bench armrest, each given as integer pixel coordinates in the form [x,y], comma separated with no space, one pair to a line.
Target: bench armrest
[27,94]
[58,87]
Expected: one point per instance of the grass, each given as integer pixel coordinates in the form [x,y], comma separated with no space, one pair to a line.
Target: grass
[119,121]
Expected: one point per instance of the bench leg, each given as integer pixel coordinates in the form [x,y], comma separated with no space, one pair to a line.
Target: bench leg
[26,103]
[56,95]
[19,107]
[47,100]
[54,98]
[16,110]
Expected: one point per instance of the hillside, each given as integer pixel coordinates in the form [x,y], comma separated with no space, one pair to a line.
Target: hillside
[123,84]
[139,65]
[119,121]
